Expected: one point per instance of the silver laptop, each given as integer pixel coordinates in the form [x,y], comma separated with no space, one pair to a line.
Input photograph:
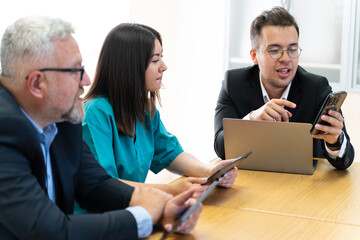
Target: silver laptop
[276,146]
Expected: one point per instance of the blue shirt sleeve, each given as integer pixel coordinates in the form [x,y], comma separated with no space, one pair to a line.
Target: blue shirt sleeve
[143,221]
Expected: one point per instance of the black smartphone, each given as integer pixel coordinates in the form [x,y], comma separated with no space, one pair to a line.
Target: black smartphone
[333,101]
[219,173]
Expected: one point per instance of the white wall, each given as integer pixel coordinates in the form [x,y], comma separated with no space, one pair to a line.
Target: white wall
[351,112]
[92,20]
[194,37]
[194,41]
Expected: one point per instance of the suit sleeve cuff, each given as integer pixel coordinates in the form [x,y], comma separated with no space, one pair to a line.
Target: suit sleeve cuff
[339,153]
[247,117]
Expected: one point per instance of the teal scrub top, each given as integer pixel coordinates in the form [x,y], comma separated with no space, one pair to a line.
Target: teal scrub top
[122,156]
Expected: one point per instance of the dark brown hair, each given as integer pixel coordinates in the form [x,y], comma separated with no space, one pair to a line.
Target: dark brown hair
[120,74]
[277,16]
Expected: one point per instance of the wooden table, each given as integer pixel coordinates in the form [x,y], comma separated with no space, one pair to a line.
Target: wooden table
[268,205]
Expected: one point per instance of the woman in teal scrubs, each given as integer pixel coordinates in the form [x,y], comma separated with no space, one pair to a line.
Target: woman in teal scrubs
[122,126]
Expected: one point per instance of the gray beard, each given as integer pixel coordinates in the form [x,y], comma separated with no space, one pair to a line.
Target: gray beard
[74,115]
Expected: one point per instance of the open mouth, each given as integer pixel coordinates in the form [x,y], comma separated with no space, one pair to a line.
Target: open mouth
[283,70]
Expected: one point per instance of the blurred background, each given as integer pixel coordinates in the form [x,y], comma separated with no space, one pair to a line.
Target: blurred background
[204,38]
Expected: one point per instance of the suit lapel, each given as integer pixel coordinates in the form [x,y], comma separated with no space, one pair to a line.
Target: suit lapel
[295,95]
[62,174]
[254,93]
[65,154]
[29,140]
[256,98]
[59,194]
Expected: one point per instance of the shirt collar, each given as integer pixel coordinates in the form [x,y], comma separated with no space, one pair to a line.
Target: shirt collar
[46,136]
[266,95]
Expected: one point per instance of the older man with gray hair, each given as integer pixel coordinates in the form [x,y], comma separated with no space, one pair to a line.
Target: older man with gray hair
[45,165]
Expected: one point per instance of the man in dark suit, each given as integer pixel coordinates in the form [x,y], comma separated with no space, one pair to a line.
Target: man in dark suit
[277,89]
[45,165]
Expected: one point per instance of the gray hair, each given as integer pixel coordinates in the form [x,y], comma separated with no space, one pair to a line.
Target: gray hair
[30,40]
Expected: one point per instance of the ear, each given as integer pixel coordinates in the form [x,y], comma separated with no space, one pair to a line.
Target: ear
[36,84]
[253,56]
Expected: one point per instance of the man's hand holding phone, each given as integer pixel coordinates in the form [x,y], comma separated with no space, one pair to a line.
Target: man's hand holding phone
[329,122]
[330,134]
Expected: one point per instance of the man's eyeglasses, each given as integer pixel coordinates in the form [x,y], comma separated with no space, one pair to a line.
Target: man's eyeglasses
[277,53]
[81,70]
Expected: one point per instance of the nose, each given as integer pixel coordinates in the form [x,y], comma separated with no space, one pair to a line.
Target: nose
[163,67]
[86,80]
[284,56]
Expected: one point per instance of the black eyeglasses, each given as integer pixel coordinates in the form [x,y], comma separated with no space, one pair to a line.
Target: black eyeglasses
[81,70]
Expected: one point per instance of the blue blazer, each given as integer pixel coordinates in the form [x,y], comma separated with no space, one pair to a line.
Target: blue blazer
[26,212]
[241,94]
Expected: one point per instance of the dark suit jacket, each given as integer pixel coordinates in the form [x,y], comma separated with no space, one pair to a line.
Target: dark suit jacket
[241,94]
[26,212]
